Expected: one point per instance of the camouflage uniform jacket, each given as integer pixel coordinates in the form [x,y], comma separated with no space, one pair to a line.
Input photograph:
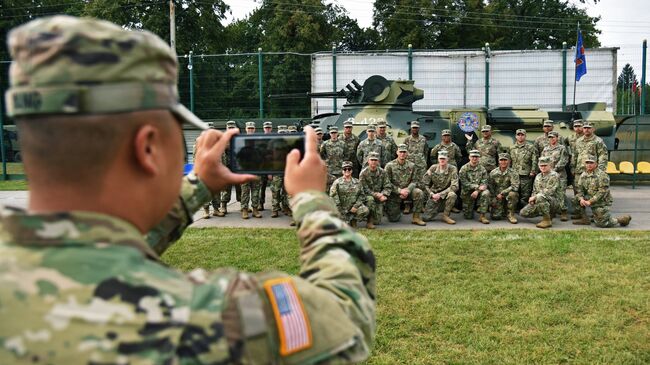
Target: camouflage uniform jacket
[571,141]
[390,147]
[594,186]
[489,149]
[542,141]
[453,153]
[417,148]
[437,180]
[593,145]
[471,177]
[547,186]
[333,153]
[347,194]
[403,176]
[365,147]
[351,144]
[559,157]
[82,287]
[524,158]
[375,181]
[503,182]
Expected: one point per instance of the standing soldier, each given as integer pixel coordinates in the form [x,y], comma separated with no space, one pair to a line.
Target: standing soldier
[588,145]
[559,159]
[572,140]
[544,198]
[351,143]
[440,186]
[348,196]
[226,193]
[333,153]
[370,144]
[376,187]
[268,128]
[278,195]
[593,191]
[453,151]
[250,191]
[487,146]
[390,147]
[474,189]
[417,147]
[524,163]
[319,135]
[542,141]
[404,177]
[215,200]
[504,185]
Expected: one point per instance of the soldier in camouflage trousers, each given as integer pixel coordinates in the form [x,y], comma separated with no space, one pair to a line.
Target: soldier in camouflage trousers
[225,194]
[593,192]
[390,147]
[417,147]
[377,188]
[440,184]
[543,201]
[215,200]
[524,162]
[588,145]
[333,153]
[474,189]
[454,154]
[349,197]
[351,143]
[369,145]
[85,286]
[487,146]
[559,159]
[573,153]
[503,183]
[404,178]
[250,191]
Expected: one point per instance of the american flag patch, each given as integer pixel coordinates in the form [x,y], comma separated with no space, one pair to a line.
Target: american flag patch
[290,316]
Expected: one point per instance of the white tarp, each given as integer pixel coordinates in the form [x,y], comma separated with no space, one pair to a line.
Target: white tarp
[457,79]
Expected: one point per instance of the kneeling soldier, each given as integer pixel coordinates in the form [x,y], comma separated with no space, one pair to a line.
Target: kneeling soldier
[593,191]
[504,185]
[348,196]
[473,180]
[440,183]
[376,188]
[544,197]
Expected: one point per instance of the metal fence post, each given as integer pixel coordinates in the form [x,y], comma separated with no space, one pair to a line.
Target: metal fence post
[410,61]
[487,75]
[564,47]
[190,67]
[641,110]
[2,142]
[334,101]
[260,79]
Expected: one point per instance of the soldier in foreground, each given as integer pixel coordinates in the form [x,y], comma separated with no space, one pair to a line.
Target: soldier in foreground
[559,158]
[503,182]
[453,151]
[440,184]
[474,189]
[348,195]
[543,201]
[404,177]
[79,284]
[377,188]
[524,162]
[487,146]
[250,191]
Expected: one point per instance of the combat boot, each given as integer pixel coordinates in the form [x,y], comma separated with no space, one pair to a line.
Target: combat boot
[244,213]
[417,220]
[576,215]
[446,218]
[582,221]
[545,223]
[206,212]
[256,213]
[407,208]
[292,223]
[483,219]
[353,223]
[287,212]
[564,216]
[222,211]
[275,214]
[370,224]
[260,207]
[624,220]
[511,218]
[455,210]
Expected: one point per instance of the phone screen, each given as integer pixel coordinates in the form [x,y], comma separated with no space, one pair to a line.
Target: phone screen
[263,153]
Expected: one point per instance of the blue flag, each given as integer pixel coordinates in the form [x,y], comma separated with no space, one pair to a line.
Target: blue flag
[580,60]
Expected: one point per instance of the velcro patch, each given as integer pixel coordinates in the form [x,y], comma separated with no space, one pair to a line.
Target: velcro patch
[290,316]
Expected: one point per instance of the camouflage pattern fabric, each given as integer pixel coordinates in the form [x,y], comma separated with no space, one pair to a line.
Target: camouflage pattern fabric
[81,287]
[489,149]
[545,190]
[454,154]
[542,141]
[594,146]
[365,147]
[417,149]
[594,186]
[559,159]
[250,193]
[217,196]
[348,194]
[277,186]
[439,181]
[573,153]
[505,183]
[403,176]
[350,154]
[471,177]
[333,153]
[390,147]
[524,161]
[375,182]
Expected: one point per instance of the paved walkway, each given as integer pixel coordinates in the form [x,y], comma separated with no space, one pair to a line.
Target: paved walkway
[635,202]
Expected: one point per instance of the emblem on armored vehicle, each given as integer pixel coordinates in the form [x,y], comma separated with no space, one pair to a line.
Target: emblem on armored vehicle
[468,122]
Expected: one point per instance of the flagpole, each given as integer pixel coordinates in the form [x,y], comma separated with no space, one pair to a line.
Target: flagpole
[575,70]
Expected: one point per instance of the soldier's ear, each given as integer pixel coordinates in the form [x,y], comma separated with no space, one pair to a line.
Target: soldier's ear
[147,149]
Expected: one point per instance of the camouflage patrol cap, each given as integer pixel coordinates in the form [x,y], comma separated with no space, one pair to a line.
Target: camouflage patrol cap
[346,164]
[446,132]
[282,127]
[486,128]
[318,130]
[415,124]
[587,125]
[443,154]
[373,156]
[381,124]
[553,134]
[334,129]
[590,158]
[282,131]
[292,128]
[402,148]
[548,123]
[544,160]
[521,131]
[267,124]
[504,156]
[231,124]
[577,123]
[250,125]
[349,122]
[79,66]
[371,128]
[474,153]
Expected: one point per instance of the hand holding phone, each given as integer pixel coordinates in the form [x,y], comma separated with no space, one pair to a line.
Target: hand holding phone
[263,154]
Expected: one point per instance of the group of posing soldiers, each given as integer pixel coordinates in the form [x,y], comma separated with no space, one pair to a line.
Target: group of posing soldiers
[367,180]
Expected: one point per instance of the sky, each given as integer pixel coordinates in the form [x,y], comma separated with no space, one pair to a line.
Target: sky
[621,23]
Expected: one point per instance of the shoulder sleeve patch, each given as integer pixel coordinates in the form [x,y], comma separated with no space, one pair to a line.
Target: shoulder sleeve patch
[290,317]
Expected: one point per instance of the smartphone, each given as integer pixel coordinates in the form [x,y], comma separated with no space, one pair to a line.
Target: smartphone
[263,154]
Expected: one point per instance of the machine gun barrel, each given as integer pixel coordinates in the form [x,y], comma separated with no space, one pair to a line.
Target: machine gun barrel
[329,94]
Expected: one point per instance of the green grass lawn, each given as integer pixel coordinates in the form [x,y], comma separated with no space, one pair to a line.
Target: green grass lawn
[13,168]
[480,297]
